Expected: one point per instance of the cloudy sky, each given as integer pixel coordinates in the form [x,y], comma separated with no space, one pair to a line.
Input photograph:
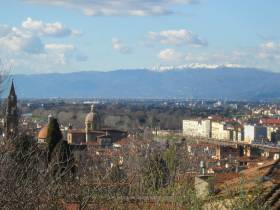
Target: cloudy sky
[40,36]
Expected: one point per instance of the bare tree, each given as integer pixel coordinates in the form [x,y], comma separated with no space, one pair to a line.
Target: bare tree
[136,176]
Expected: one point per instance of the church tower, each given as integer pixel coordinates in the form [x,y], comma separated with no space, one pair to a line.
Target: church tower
[92,122]
[11,118]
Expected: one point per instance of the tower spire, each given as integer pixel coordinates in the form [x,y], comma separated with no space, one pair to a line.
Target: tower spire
[11,118]
[12,89]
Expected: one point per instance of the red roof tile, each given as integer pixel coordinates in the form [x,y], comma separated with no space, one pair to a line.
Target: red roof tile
[270,121]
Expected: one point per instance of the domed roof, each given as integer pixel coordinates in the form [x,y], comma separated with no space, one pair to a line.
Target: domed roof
[43,132]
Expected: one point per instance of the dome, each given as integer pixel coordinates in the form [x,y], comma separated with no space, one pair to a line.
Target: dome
[43,132]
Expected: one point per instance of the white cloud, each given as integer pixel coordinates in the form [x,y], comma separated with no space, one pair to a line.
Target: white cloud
[26,49]
[152,35]
[270,46]
[55,58]
[119,7]
[60,47]
[119,46]
[63,53]
[270,50]
[28,37]
[178,37]
[47,29]
[268,55]
[169,55]
[18,40]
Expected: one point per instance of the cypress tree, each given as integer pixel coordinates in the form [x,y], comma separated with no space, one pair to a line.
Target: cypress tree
[54,136]
[59,152]
[65,155]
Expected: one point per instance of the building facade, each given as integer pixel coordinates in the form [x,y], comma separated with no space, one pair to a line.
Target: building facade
[254,133]
[197,128]
[215,129]
[219,132]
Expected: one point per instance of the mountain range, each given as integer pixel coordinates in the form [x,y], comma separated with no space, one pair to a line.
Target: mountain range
[197,83]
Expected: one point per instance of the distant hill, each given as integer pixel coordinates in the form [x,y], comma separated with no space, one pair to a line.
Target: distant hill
[219,83]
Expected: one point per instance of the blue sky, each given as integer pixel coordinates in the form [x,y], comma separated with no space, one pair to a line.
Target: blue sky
[40,36]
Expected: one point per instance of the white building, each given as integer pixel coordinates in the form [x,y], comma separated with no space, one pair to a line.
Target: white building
[254,133]
[197,127]
[270,131]
[224,131]
[219,132]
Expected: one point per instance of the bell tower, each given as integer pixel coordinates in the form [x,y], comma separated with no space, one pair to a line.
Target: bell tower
[92,122]
[11,118]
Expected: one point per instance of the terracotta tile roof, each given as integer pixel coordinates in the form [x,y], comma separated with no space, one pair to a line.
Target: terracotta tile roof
[43,132]
[248,177]
[220,118]
[270,121]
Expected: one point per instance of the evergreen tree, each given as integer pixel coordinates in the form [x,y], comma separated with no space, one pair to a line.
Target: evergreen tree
[60,156]
[65,155]
[54,136]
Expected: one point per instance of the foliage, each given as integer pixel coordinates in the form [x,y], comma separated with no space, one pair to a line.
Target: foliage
[155,172]
[54,136]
